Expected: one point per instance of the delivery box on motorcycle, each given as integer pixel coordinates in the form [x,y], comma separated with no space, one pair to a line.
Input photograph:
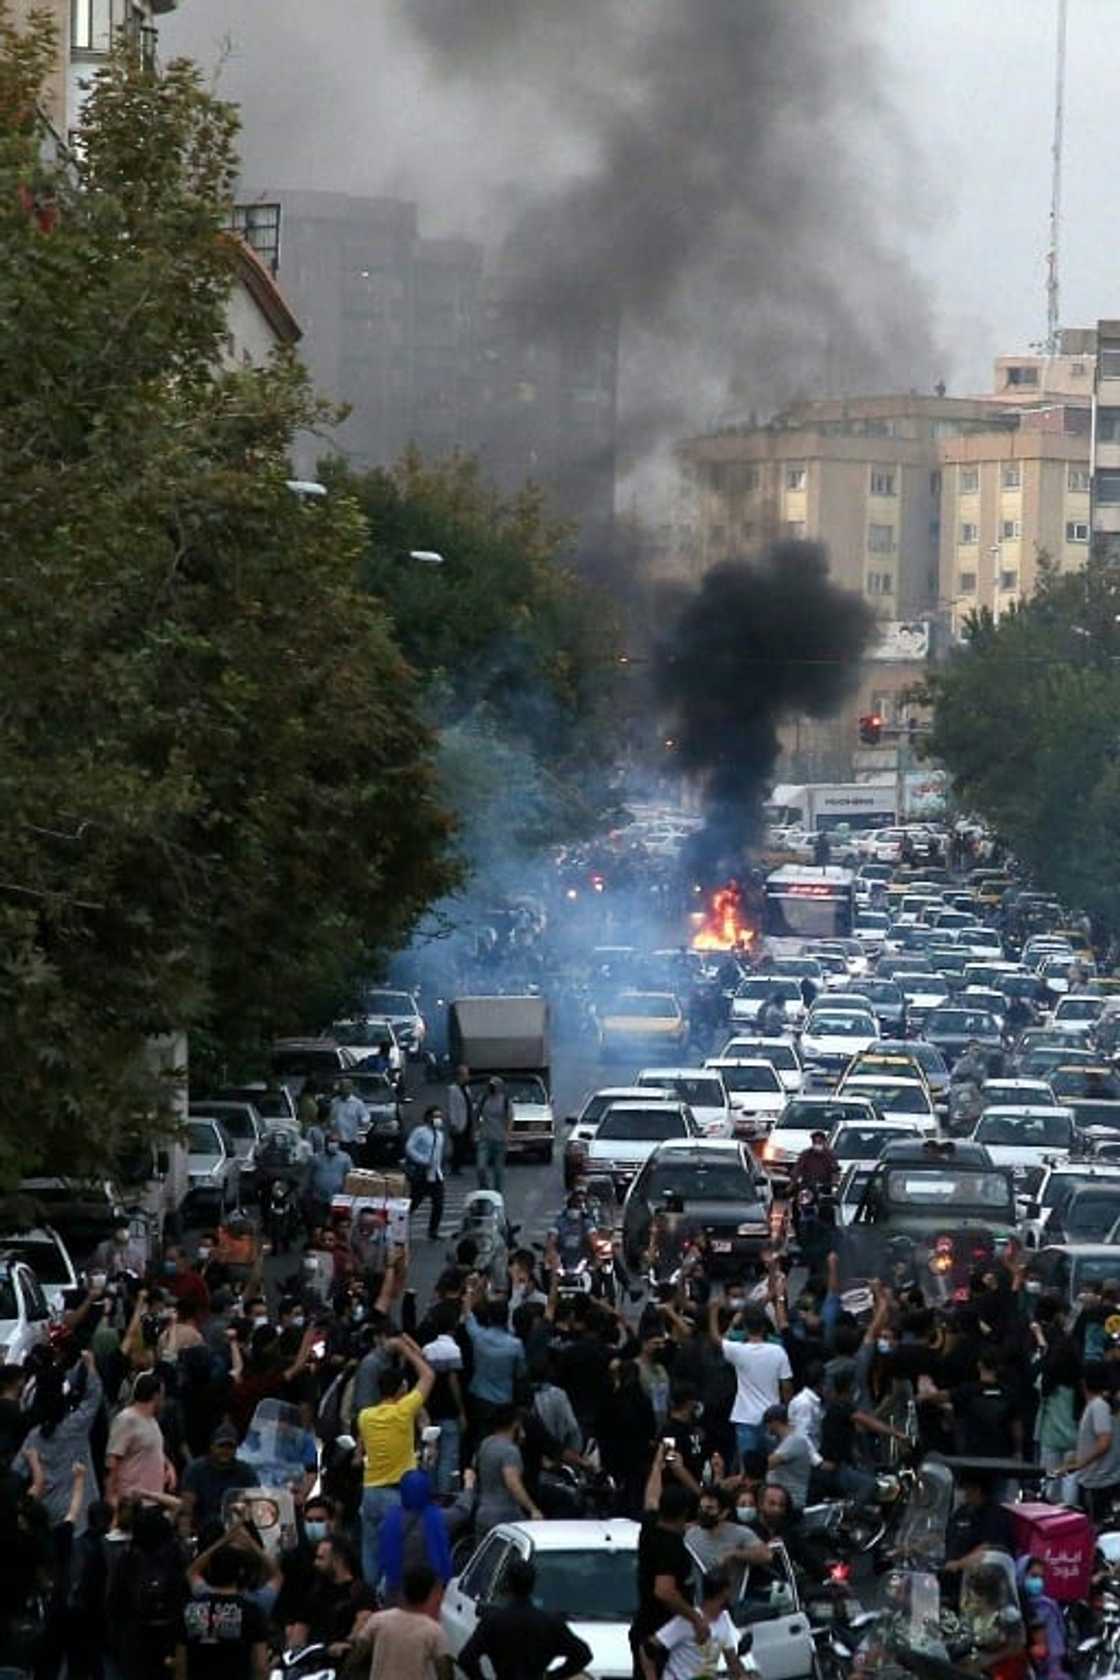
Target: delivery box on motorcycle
[1063,1539]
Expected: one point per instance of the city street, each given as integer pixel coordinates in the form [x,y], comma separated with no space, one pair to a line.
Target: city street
[534,1192]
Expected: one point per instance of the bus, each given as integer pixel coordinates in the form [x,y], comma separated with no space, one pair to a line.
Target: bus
[807,903]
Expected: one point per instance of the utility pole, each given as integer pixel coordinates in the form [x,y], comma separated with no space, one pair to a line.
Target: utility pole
[1053,325]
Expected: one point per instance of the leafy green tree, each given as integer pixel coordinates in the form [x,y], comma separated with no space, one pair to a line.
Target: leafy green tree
[218,796]
[518,652]
[1027,721]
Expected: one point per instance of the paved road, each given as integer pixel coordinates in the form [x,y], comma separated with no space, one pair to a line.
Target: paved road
[534,1193]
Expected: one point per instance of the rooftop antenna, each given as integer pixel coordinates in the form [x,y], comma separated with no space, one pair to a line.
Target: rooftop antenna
[1053,330]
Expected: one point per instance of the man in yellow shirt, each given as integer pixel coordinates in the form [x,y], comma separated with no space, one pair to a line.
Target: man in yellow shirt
[388,1434]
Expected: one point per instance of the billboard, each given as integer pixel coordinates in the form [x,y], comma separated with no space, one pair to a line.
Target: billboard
[901,640]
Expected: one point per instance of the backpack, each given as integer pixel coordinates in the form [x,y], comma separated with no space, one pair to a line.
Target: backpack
[155,1589]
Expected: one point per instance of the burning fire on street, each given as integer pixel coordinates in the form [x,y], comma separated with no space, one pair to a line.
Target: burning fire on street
[723,926]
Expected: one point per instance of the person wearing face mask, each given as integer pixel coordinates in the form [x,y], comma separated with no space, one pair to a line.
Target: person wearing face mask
[326,1178]
[423,1154]
[1043,1615]
[717,1540]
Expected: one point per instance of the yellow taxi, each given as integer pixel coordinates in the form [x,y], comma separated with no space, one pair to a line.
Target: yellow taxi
[643,1024]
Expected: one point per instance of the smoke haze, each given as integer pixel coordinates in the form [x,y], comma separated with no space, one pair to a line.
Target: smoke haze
[727,174]
[758,642]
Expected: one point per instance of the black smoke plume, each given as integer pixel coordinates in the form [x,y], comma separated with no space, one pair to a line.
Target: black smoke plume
[728,177]
[759,642]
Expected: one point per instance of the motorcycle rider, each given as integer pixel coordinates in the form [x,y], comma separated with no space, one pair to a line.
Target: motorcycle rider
[972,1067]
[570,1237]
[816,1168]
[772,1016]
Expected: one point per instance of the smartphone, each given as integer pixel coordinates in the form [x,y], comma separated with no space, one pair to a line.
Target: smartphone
[319,1348]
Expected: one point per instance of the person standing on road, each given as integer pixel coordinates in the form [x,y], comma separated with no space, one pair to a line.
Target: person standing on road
[349,1116]
[495,1122]
[326,1179]
[521,1641]
[423,1154]
[460,1119]
[388,1435]
[764,1375]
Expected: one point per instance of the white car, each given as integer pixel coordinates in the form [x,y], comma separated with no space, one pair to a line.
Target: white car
[871,928]
[782,1054]
[402,1012]
[586,1573]
[753,994]
[1078,1010]
[1047,1201]
[41,1248]
[363,1036]
[831,1037]
[533,1131]
[212,1168]
[25,1313]
[894,1098]
[860,1142]
[801,1117]
[1017,1093]
[1026,1140]
[702,1089]
[884,845]
[981,941]
[623,1140]
[754,1091]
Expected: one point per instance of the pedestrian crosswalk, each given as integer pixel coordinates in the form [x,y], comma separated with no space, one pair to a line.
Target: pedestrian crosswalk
[533,1227]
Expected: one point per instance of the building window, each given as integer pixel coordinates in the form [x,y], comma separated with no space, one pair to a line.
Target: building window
[935,484]
[1077,530]
[1108,488]
[91,25]
[1011,529]
[259,227]
[880,539]
[1011,476]
[888,583]
[968,583]
[969,480]
[1108,364]
[883,482]
[1079,478]
[1108,425]
[970,534]
[1022,376]
[1008,581]
[795,478]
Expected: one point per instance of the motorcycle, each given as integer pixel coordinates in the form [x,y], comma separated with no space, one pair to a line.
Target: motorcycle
[281,1215]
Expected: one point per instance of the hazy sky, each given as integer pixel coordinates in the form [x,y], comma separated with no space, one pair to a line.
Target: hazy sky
[341,95]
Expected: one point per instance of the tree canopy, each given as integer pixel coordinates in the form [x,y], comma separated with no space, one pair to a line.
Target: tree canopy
[1027,721]
[218,792]
[518,652]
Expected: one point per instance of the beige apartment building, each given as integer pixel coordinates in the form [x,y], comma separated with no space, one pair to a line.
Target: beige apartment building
[1009,498]
[862,475]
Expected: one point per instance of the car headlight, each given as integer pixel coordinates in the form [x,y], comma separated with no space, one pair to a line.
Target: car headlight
[750,1231]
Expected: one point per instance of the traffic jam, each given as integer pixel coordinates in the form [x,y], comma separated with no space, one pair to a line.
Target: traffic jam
[877,1121]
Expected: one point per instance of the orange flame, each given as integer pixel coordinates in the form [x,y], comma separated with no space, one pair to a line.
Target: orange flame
[723,927]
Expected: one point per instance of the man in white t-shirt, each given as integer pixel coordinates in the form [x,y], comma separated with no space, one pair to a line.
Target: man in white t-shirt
[765,1379]
[689,1655]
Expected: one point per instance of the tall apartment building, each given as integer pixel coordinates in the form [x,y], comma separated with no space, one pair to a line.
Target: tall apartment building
[428,347]
[1009,497]
[862,475]
[87,31]
[1105,515]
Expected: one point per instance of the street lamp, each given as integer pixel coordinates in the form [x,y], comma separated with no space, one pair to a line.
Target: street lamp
[426,557]
[307,489]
